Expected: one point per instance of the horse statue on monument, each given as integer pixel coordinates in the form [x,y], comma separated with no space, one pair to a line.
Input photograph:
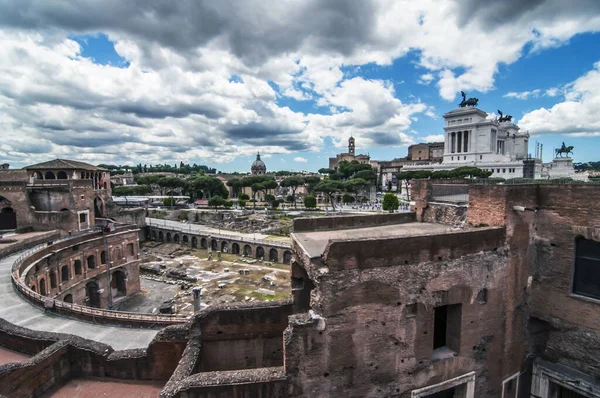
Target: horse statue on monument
[504,118]
[467,102]
[563,149]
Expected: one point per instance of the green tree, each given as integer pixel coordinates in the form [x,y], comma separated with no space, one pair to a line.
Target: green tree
[390,202]
[326,171]
[293,183]
[356,186]
[310,202]
[152,181]
[244,196]
[347,198]
[236,186]
[206,186]
[269,198]
[241,203]
[330,188]
[258,184]
[216,201]
[289,199]
[168,202]
[275,203]
[349,169]
[310,182]
[369,175]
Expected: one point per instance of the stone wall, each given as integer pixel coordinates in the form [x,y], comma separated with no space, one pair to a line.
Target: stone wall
[242,337]
[542,222]
[371,329]
[351,221]
[445,213]
[383,252]
[66,270]
[256,383]
[58,358]
[51,206]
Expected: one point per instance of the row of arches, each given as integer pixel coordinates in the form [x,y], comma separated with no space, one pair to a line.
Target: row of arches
[118,288]
[65,273]
[98,178]
[224,246]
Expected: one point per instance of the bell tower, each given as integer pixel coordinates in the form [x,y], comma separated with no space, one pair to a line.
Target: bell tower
[351,145]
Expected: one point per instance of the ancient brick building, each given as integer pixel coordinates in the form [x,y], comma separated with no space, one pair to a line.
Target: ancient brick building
[59,194]
[494,297]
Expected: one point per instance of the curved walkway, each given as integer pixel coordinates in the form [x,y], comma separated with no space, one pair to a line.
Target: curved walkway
[18,311]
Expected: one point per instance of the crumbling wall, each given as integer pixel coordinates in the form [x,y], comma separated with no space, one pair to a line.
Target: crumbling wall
[567,326]
[242,336]
[59,357]
[445,213]
[351,221]
[370,329]
[382,252]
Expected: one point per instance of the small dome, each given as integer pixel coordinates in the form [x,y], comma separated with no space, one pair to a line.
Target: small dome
[258,167]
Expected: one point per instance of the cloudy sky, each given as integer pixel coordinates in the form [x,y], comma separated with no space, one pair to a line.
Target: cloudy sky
[213,82]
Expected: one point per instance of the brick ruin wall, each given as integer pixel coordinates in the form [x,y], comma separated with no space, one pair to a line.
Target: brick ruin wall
[372,332]
[352,221]
[235,350]
[121,250]
[426,210]
[562,327]
[40,208]
[58,358]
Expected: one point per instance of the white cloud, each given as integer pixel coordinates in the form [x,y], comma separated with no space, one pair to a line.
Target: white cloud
[577,114]
[523,95]
[300,159]
[175,99]
[434,138]
[426,79]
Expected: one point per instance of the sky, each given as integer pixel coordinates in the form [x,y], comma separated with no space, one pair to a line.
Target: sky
[207,82]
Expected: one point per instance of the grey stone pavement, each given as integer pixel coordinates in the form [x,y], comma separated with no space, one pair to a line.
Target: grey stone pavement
[18,311]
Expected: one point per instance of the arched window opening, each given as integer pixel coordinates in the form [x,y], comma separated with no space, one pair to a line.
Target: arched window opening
[260,252]
[42,287]
[91,262]
[92,294]
[77,266]
[118,284]
[64,273]
[273,255]
[53,280]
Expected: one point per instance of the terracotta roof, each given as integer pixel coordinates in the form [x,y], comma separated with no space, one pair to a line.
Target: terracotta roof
[64,164]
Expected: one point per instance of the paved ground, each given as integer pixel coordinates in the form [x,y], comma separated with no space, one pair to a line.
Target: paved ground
[105,388]
[315,242]
[153,294]
[9,356]
[18,311]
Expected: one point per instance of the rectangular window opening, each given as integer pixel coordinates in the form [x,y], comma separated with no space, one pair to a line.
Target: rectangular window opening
[447,327]
[586,278]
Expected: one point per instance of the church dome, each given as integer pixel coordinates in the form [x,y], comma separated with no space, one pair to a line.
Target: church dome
[258,167]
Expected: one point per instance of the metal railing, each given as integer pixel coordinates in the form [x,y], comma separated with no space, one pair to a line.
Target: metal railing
[36,298]
[455,193]
[198,230]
